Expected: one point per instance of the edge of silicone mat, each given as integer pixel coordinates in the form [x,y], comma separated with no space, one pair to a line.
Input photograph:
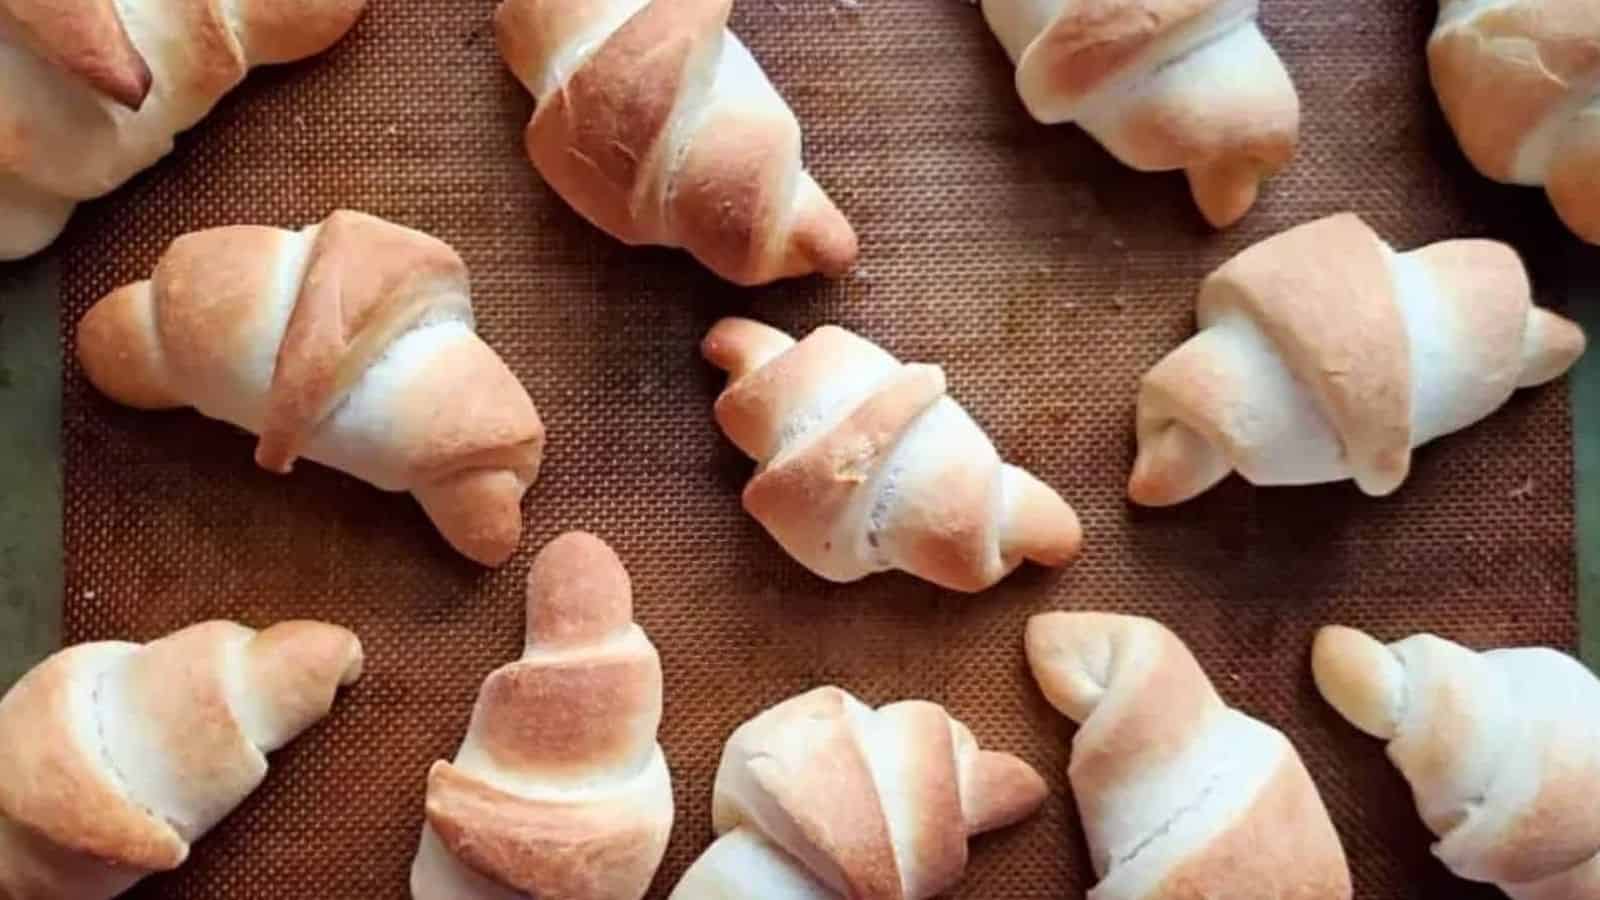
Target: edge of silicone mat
[30,466]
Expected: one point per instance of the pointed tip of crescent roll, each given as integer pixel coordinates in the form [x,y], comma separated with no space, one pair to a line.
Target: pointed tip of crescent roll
[331,650]
[821,239]
[1175,464]
[1551,345]
[119,352]
[296,668]
[578,592]
[741,346]
[1225,190]
[285,31]
[1005,790]
[1040,526]
[1359,677]
[479,512]
[1071,655]
[1573,181]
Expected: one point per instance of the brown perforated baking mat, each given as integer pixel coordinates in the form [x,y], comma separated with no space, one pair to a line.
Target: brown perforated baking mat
[1045,277]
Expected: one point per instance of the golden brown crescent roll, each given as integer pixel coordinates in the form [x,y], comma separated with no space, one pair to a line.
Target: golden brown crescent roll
[560,789]
[93,91]
[119,756]
[1502,750]
[350,343]
[656,124]
[1324,354]
[1163,84]
[1182,797]
[823,798]
[1519,82]
[866,465]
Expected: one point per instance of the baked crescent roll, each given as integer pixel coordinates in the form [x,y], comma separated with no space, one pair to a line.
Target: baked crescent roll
[1182,797]
[1519,82]
[1163,84]
[1324,354]
[656,124]
[866,465]
[560,789]
[1502,751]
[824,798]
[93,91]
[120,756]
[349,343]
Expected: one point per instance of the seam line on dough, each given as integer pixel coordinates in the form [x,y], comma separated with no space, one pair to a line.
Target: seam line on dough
[104,748]
[886,487]
[1178,815]
[802,429]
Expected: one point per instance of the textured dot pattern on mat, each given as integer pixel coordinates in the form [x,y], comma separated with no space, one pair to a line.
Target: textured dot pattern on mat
[1045,277]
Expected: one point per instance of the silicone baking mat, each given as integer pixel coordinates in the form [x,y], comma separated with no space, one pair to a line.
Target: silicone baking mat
[1044,276]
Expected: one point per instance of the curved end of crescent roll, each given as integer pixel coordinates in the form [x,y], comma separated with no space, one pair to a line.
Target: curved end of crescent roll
[1380,472]
[578,592]
[817,238]
[741,346]
[1550,346]
[1039,525]
[1360,678]
[1175,464]
[295,670]
[479,511]
[1094,665]
[1574,189]
[821,239]
[1004,790]
[121,353]
[1573,180]
[283,31]
[518,34]
[1072,657]
[1225,189]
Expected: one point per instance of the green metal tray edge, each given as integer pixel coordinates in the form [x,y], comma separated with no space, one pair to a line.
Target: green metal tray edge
[30,466]
[1584,305]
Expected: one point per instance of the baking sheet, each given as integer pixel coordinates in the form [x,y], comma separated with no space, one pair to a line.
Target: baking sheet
[1041,274]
